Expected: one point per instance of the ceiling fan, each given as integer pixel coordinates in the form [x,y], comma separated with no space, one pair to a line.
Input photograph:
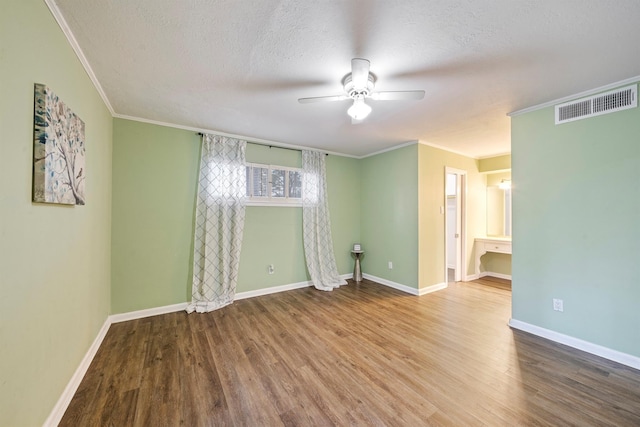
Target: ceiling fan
[358,85]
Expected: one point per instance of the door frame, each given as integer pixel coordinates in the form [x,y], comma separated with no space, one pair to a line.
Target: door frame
[461,223]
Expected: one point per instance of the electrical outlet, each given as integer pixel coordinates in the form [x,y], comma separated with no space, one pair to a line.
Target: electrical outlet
[271,269]
[390,265]
[558,305]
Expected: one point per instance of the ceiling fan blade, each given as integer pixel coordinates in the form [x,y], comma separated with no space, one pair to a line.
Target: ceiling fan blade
[322,99]
[360,72]
[400,95]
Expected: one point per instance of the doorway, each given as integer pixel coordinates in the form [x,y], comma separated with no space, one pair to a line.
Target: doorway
[454,210]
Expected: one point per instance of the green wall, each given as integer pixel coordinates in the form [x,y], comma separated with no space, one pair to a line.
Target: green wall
[402,192]
[54,260]
[389,215]
[273,235]
[388,202]
[154,190]
[343,187]
[576,205]
[432,163]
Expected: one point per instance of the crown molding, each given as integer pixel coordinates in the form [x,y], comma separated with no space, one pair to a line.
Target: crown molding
[62,23]
[231,135]
[459,153]
[386,150]
[506,153]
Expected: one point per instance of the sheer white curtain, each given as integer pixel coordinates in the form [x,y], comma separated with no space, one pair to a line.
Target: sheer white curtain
[318,244]
[219,223]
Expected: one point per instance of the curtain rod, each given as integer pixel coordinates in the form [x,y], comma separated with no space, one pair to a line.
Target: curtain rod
[268,145]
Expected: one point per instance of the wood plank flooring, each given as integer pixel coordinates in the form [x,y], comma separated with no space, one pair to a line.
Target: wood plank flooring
[494,282]
[363,354]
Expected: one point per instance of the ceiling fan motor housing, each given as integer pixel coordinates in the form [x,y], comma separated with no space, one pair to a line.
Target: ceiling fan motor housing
[354,92]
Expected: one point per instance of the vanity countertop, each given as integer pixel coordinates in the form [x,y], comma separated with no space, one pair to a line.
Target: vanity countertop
[494,238]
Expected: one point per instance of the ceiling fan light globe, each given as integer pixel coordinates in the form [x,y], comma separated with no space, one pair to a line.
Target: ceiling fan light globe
[359,110]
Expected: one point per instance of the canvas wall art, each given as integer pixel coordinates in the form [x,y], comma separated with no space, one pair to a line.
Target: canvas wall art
[58,151]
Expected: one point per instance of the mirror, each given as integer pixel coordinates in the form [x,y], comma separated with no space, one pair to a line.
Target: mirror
[498,211]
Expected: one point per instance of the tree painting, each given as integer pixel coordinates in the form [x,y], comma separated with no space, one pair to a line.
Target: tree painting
[58,151]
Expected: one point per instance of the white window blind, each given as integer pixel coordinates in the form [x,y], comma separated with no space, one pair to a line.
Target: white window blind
[273,185]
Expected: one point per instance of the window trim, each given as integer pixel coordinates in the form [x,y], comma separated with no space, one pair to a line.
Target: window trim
[285,201]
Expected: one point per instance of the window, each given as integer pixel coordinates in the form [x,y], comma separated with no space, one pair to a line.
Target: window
[273,185]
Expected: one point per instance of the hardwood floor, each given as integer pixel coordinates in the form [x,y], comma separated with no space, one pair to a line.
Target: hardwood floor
[363,354]
[494,282]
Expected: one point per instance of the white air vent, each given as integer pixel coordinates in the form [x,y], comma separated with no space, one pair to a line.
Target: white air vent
[603,103]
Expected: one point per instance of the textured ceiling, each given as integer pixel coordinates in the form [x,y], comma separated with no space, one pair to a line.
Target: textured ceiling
[239,66]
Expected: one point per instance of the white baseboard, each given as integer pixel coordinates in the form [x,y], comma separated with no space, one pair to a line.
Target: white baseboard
[394,285]
[140,314]
[63,402]
[432,288]
[598,350]
[281,288]
[272,290]
[492,274]
[405,288]
[472,277]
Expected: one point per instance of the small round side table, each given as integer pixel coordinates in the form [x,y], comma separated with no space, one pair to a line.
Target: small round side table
[357,271]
